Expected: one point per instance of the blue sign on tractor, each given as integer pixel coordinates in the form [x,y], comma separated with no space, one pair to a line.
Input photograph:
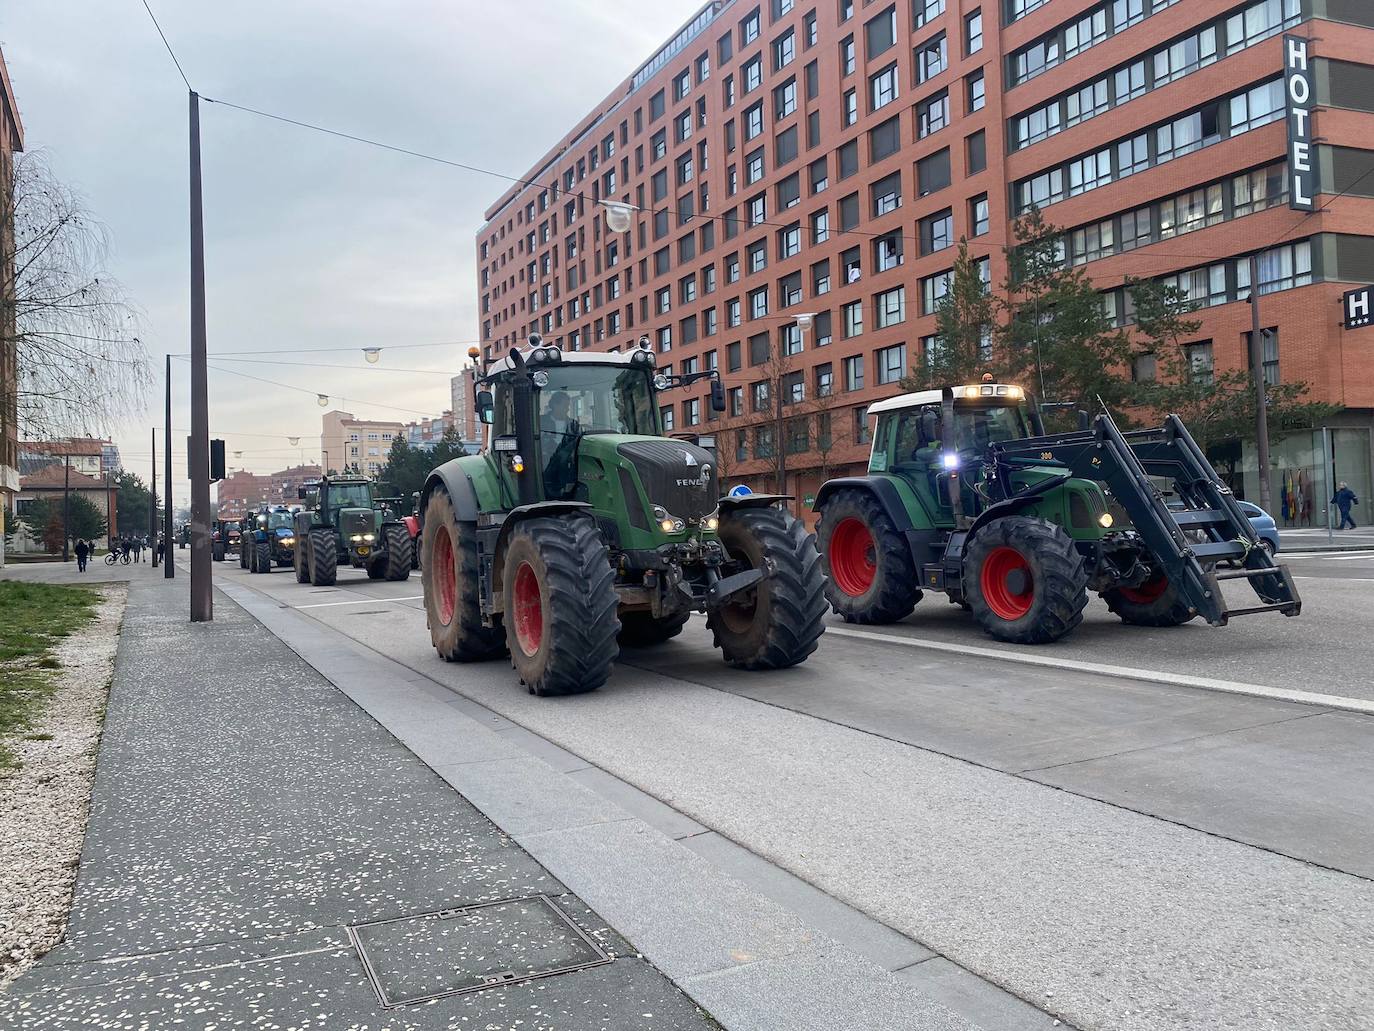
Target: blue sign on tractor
[740,491]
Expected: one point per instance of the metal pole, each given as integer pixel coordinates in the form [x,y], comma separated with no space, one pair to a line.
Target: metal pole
[1261,401]
[152,505]
[66,506]
[167,569]
[202,597]
[1328,482]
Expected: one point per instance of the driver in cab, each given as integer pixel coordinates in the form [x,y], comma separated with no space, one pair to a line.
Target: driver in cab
[559,431]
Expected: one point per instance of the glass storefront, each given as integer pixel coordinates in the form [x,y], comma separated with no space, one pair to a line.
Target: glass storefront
[1301,481]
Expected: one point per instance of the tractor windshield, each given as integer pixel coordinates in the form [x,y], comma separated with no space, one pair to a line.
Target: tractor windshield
[278,520]
[350,495]
[582,399]
[978,425]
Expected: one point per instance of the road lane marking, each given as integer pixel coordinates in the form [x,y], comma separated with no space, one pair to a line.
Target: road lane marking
[360,601]
[1325,701]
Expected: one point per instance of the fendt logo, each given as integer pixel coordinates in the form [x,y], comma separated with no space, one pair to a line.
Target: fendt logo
[704,477]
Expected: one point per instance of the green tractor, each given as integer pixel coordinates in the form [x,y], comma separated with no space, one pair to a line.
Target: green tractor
[966,494]
[340,523]
[582,528]
[268,539]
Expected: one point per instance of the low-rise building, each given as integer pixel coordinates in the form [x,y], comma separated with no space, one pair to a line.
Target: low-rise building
[11,143]
[356,445]
[51,481]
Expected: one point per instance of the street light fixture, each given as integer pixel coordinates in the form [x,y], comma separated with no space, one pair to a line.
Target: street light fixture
[322,400]
[372,354]
[293,441]
[619,217]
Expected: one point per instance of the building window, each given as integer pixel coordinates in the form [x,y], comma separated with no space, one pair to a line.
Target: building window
[861,432]
[976,148]
[853,319]
[890,308]
[749,29]
[977,92]
[882,87]
[1200,367]
[887,194]
[932,173]
[973,32]
[784,50]
[785,100]
[820,278]
[854,373]
[931,58]
[923,11]
[847,56]
[891,364]
[850,112]
[933,290]
[932,114]
[888,251]
[937,232]
[979,215]
[820,226]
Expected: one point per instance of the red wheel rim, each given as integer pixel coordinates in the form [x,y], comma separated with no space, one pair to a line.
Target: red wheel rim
[529,610]
[1007,585]
[445,578]
[853,557]
[1149,591]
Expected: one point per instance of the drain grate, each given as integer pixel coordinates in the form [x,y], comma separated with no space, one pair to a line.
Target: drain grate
[419,958]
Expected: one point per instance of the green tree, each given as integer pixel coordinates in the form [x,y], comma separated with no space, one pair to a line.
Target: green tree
[406,468]
[1055,334]
[966,318]
[132,504]
[45,516]
[1218,407]
[449,447]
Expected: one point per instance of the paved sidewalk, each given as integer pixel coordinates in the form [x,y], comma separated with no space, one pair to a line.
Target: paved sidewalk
[246,813]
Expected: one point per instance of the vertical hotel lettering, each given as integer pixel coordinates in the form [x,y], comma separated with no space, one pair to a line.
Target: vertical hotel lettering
[1302,163]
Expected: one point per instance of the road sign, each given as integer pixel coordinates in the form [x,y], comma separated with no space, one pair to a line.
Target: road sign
[740,491]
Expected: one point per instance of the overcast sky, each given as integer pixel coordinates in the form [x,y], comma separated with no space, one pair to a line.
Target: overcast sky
[311,242]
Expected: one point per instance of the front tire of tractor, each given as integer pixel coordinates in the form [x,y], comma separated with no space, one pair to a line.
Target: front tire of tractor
[397,563]
[324,558]
[642,630]
[1154,603]
[1025,580]
[243,557]
[217,552]
[871,578]
[453,604]
[776,623]
[262,557]
[561,604]
[300,558]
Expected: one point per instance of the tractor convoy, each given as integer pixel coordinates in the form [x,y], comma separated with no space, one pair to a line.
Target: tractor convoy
[581,528]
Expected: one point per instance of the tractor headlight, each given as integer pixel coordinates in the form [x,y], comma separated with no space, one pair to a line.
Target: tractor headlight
[667,522]
[1105,520]
[286,542]
[662,382]
[711,523]
[951,460]
[369,536]
[642,357]
[356,538]
[541,378]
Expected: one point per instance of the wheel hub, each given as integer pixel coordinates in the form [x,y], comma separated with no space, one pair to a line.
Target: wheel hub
[853,557]
[444,577]
[1007,583]
[528,610]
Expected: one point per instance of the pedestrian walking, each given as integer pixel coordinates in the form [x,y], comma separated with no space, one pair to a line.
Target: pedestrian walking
[83,552]
[1345,497]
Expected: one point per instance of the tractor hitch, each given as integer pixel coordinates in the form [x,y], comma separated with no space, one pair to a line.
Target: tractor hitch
[724,589]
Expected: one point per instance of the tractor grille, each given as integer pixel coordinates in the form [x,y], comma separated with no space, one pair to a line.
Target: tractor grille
[677,475]
[356,522]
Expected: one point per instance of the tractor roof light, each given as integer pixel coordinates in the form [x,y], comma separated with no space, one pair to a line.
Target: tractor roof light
[642,357]
[951,460]
[662,382]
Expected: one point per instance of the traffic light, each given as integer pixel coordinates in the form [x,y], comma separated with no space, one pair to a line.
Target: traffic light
[216,460]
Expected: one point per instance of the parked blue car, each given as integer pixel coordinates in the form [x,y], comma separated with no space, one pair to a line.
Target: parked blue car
[1264,525]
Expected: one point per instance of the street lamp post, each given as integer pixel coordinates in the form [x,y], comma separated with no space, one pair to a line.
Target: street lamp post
[152,505]
[202,593]
[167,569]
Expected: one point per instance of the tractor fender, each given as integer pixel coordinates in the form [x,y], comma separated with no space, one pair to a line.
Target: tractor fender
[1016,502]
[732,504]
[451,477]
[880,487]
[412,525]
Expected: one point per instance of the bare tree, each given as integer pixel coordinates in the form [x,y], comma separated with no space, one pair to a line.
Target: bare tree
[79,364]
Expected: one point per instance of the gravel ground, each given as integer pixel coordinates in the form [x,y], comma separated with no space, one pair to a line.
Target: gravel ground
[44,804]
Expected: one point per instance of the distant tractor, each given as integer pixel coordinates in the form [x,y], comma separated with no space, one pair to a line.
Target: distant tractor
[224,538]
[341,524]
[268,539]
[965,494]
[404,510]
[581,528]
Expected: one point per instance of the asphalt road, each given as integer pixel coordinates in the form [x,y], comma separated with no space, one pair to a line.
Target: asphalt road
[1154,856]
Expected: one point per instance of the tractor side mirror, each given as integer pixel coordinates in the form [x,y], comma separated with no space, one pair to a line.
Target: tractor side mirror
[486,407]
[1085,421]
[717,397]
[300,493]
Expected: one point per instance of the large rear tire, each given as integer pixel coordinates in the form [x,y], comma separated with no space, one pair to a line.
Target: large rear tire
[244,547]
[1156,602]
[262,557]
[1025,580]
[777,622]
[324,558]
[871,578]
[561,604]
[217,551]
[453,605]
[642,630]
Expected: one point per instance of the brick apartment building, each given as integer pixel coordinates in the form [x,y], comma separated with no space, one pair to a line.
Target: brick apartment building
[11,143]
[461,390]
[242,490]
[825,157]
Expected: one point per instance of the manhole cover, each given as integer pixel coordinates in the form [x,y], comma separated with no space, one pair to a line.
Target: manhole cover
[418,958]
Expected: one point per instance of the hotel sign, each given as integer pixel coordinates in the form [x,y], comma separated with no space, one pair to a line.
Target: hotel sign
[1358,306]
[1297,89]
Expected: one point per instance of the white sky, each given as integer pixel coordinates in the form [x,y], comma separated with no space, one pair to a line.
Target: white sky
[311,242]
